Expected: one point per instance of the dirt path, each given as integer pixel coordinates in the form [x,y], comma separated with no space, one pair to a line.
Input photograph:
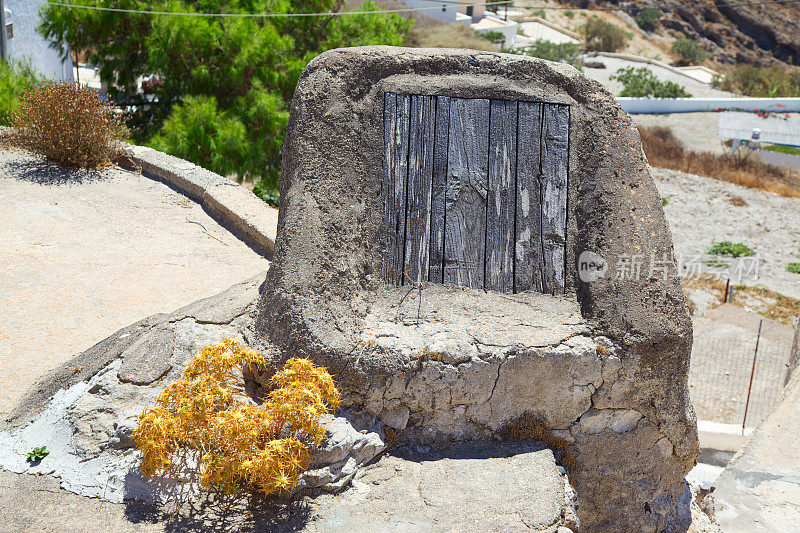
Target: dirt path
[84,254]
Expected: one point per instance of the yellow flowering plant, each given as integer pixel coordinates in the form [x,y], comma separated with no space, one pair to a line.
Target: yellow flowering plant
[236,445]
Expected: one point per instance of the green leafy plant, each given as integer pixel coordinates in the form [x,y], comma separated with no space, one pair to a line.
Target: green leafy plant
[15,80]
[569,52]
[69,124]
[664,201]
[730,249]
[642,83]
[648,18]
[794,268]
[569,13]
[715,262]
[689,51]
[493,36]
[602,36]
[540,13]
[37,454]
[226,82]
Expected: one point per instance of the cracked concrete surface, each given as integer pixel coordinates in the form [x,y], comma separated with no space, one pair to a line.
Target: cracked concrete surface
[98,250]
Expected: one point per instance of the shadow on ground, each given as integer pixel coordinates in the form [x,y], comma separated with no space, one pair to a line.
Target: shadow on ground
[36,169]
[223,513]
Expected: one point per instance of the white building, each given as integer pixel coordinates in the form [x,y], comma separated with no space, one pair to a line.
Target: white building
[27,44]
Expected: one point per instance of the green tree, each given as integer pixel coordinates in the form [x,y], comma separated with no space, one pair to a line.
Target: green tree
[225,83]
[569,52]
[642,83]
[648,18]
[15,79]
[690,51]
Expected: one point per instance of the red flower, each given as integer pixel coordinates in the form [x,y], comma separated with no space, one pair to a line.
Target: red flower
[786,115]
[779,105]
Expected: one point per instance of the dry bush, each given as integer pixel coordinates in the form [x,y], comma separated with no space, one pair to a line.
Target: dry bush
[69,124]
[205,419]
[531,427]
[744,168]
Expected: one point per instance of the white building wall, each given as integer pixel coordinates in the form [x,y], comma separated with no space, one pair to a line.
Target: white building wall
[28,45]
[446,12]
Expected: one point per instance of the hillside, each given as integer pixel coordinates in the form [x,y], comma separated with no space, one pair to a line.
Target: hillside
[755,34]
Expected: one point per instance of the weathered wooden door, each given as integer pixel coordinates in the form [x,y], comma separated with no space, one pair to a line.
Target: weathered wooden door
[475,192]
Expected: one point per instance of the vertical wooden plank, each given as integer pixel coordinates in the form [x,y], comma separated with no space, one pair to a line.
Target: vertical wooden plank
[420,174]
[465,200]
[528,266]
[555,153]
[501,196]
[439,189]
[396,122]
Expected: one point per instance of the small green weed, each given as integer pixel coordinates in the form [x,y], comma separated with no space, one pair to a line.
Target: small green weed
[37,454]
[664,201]
[642,83]
[715,262]
[730,249]
[794,268]
[569,13]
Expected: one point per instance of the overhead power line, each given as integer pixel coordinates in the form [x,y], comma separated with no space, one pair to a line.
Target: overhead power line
[440,4]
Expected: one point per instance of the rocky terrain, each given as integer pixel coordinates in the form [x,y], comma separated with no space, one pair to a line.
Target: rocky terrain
[758,34]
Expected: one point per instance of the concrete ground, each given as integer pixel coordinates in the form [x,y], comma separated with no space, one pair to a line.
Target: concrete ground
[85,253]
[409,490]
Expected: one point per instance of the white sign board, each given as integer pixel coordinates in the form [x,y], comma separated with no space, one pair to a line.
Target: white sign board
[751,127]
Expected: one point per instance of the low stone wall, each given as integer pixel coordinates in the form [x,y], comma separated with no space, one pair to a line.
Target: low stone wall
[230,204]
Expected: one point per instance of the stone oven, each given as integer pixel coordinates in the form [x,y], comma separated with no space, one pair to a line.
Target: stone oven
[455,241]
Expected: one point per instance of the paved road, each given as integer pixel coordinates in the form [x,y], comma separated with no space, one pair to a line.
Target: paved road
[84,254]
[696,88]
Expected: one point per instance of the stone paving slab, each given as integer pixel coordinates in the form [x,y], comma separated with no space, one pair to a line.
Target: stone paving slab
[85,253]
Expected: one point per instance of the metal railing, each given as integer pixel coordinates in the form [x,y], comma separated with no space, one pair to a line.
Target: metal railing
[737,381]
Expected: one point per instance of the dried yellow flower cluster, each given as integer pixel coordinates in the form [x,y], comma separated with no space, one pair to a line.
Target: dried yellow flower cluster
[240,446]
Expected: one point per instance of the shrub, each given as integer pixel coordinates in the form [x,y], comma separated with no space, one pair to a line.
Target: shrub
[648,18]
[493,36]
[770,82]
[794,268]
[690,51]
[602,36]
[569,13]
[642,83]
[15,79]
[203,420]
[569,52]
[730,249]
[663,149]
[69,124]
